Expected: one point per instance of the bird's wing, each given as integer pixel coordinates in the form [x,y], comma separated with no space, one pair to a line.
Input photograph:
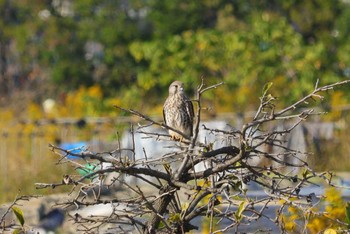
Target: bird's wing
[189,108]
[164,117]
[190,111]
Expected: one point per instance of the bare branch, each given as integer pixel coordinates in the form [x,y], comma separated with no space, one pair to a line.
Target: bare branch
[197,178]
[144,117]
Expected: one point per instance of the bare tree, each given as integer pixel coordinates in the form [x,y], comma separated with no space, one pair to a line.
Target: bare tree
[175,190]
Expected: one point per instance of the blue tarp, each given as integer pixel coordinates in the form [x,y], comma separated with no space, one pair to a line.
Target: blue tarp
[74,147]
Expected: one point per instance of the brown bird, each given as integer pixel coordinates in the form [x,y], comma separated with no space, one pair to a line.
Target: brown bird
[178,111]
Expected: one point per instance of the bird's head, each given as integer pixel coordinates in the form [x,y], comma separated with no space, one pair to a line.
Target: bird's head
[176,87]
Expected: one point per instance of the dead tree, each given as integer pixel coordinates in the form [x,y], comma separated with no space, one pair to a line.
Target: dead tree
[173,193]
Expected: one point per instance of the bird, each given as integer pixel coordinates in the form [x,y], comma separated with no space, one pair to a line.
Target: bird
[178,111]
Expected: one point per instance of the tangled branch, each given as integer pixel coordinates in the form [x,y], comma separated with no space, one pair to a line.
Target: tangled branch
[197,180]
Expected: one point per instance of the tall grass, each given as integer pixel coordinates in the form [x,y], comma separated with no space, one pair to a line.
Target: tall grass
[25,158]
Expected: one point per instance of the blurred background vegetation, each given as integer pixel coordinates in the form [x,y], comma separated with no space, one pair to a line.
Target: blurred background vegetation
[85,56]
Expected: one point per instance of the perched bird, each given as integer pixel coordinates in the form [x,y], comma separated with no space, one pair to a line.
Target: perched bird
[178,111]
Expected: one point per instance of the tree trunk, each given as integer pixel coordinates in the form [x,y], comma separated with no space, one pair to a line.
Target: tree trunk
[160,207]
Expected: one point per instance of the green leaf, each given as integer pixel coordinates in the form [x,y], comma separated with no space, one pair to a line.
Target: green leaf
[175,218]
[237,186]
[266,88]
[347,213]
[19,214]
[241,208]
[17,231]
[306,173]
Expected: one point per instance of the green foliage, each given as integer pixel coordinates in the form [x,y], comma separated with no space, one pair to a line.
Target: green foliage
[271,52]
[142,46]
[241,208]
[19,214]
[347,213]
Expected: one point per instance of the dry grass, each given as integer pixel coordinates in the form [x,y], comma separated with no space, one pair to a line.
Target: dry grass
[334,154]
[25,158]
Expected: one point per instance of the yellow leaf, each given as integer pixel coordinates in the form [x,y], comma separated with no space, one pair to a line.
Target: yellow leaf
[19,214]
[330,231]
[185,205]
